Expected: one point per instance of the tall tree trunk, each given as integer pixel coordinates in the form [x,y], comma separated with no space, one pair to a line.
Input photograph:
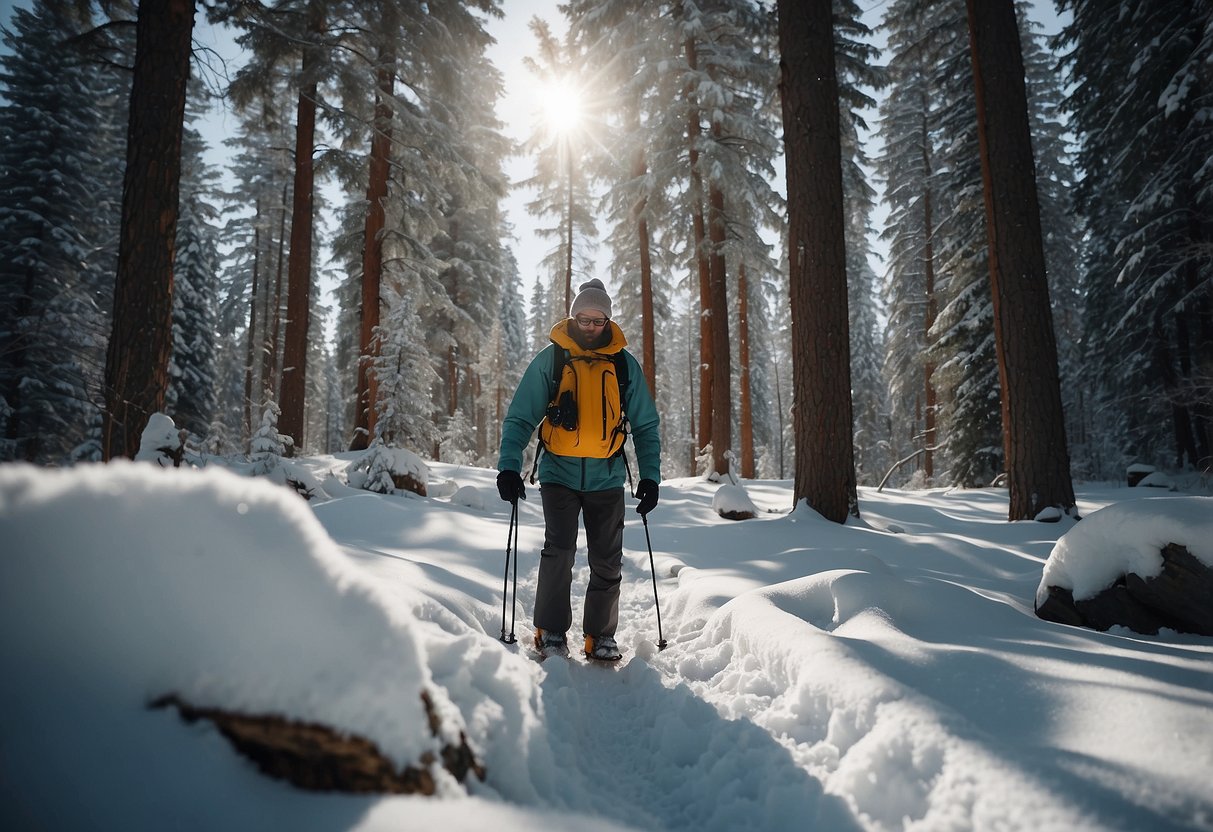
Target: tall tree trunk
[722,379]
[699,239]
[568,229]
[821,364]
[1034,435]
[372,256]
[928,264]
[482,437]
[273,312]
[299,268]
[694,445]
[136,367]
[452,380]
[643,245]
[747,405]
[250,356]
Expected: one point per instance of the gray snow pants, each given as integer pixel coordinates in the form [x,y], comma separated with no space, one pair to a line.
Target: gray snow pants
[604,537]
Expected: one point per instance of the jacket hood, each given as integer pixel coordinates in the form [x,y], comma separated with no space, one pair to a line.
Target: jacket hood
[561,338]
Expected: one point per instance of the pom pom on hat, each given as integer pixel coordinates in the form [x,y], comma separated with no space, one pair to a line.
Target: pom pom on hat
[591,295]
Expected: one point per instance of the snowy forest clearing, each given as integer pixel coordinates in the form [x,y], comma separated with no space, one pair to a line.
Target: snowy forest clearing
[889,674]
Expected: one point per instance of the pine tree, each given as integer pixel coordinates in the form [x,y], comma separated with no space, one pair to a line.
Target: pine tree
[825,468]
[1063,235]
[1140,107]
[191,396]
[623,46]
[136,368]
[300,35]
[55,248]
[402,366]
[907,166]
[256,207]
[858,71]
[1034,440]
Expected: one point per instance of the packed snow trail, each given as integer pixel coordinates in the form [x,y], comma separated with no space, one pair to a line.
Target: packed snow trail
[621,741]
[887,674]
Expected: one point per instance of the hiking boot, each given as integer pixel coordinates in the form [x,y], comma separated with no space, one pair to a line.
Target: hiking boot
[548,642]
[602,648]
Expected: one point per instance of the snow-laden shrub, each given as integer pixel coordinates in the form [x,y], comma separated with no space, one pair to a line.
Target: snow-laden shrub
[385,470]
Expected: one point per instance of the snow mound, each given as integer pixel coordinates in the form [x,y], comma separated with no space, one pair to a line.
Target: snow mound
[221,589]
[1127,537]
[469,496]
[160,433]
[732,499]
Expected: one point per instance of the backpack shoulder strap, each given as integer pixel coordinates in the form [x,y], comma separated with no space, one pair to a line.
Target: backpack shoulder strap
[621,374]
[560,357]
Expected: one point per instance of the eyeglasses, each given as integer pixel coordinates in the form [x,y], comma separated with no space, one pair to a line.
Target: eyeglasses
[588,322]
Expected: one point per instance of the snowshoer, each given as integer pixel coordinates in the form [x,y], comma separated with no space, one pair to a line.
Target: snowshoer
[584,392]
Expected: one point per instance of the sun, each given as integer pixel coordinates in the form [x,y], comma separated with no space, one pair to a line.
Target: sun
[562,108]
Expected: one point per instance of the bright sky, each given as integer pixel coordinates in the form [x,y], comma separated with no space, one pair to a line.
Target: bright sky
[518,107]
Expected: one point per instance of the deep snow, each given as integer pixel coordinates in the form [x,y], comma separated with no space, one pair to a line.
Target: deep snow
[888,674]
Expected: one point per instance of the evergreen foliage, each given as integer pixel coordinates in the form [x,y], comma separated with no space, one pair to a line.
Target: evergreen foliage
[191,397]
[1140,103]
[57,229]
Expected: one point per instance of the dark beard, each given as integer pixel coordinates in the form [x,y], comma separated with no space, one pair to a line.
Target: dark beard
[589,340]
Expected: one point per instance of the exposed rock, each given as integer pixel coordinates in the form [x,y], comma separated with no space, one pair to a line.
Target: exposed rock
[1137,472]
[408,482]
[316,757]
[733,503]
[1179,598]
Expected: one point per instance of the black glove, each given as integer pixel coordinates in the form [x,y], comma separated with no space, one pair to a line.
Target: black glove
[510,487]
[646,493]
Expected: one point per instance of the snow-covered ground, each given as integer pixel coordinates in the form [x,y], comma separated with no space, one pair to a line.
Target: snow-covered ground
[889,674]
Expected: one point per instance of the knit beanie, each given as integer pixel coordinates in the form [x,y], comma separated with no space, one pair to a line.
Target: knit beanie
[591,295]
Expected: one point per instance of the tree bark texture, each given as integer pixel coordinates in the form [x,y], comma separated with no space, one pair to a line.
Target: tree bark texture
[568,226]
[299,269]
[743,358]
[699,240]
[273,311]
[372,257]
[821,367]
[1034,436]
[643,245]
[250,355]
[136,368]
[722,379]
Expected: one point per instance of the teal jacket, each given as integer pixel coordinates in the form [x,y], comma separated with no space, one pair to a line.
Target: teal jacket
[529,406]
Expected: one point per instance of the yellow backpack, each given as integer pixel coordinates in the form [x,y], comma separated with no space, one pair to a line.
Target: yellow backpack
[586,416]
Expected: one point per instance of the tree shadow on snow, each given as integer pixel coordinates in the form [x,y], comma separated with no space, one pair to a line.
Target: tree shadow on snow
[630,749]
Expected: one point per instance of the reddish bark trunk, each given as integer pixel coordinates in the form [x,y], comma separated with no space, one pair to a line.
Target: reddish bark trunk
[722,382]
[821,366]
[372,257]
[649,354]
[136,369]
[1034,437]
[293,395]
[251,341]
[747,408]
[699,237]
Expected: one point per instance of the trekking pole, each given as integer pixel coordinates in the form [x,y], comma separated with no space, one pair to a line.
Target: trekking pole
[511,547]
[661,645]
